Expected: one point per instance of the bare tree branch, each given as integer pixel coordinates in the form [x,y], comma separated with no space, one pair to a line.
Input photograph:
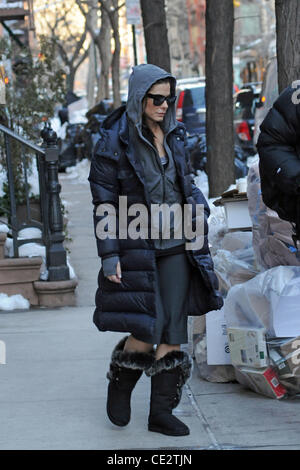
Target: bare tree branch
[82,59]
[70,49]
[112,9]
[87,18]
[80,43]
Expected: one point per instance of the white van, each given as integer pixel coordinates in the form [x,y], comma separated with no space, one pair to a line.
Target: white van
[269,94]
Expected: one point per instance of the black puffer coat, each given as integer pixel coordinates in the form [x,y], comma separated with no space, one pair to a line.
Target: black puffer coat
[116,170]
[279,152]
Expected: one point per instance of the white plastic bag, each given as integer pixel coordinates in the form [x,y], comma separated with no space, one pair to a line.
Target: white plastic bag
[272,236]
[211,373]
[234,267]
[270,300]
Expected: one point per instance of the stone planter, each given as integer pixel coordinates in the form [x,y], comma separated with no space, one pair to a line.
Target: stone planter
[17,276]
[56,293]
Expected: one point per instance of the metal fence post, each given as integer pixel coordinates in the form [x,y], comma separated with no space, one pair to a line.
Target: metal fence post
[55,251]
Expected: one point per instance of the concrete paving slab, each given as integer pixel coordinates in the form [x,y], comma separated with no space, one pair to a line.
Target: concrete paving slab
[53,393]
[200,386]
[248,419]
[82,424]
[53,387]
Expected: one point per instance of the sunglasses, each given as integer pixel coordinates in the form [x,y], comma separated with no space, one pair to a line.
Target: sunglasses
[159,99]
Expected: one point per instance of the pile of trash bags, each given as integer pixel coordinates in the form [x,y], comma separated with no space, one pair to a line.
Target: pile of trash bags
[272,240]
[259,324]
[263,327]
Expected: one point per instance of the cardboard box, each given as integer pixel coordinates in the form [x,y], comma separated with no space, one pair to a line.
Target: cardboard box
[292,385]
[282,366]
[292,364]
[217,341]
[265,382]
[237,214]
[248,346]
[236,209]
[285,355]
[291,347]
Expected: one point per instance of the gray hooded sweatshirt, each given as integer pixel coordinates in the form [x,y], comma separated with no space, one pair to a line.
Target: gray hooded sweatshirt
[160,174]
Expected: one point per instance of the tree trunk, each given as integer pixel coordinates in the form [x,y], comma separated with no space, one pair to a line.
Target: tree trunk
[219,102]
[103,44]
[288,41]
[115,71]
[156,34]
[91,78]
[70,79]
[115,65]
[92,23]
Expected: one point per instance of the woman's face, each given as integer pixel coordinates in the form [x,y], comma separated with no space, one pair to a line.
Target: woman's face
[157,113]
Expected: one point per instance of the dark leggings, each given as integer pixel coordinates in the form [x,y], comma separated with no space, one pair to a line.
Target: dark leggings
[173,275]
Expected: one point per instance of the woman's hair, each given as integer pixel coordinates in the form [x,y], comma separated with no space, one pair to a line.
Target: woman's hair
[147,133]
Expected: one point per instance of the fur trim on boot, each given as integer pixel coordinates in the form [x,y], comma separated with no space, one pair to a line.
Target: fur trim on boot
[170,361]
[124,371]
[168,375]
[128,359]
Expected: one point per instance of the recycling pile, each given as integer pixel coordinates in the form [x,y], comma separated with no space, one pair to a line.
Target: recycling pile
[257,332]
[263,327]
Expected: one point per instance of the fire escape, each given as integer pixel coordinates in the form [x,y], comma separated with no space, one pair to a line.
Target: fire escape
[17,19]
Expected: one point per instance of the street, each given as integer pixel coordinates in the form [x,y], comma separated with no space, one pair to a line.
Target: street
[53,386]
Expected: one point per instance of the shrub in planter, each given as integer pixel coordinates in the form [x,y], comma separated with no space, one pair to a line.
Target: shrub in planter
[36,85]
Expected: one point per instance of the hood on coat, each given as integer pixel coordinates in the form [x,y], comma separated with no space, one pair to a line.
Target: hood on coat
[140,81]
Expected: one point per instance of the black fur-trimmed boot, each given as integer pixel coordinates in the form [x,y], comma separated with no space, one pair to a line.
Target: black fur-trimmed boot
[168,375]
[125,370]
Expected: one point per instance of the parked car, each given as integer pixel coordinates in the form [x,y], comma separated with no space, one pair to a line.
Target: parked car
[269,93]
[190,107]
[244,105]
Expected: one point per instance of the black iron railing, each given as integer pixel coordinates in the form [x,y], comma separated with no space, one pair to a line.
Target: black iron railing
[18,154]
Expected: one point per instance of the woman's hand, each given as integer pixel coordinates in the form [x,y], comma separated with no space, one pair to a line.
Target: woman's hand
[116,277]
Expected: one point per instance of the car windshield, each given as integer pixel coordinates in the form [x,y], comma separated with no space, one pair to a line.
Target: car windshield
[194,97]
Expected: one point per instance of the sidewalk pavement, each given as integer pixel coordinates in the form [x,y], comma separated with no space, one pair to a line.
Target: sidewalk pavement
[53,386]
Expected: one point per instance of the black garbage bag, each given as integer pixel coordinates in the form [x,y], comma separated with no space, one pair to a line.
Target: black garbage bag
[198,154]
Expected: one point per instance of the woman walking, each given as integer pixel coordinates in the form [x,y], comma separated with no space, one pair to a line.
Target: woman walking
[147,286]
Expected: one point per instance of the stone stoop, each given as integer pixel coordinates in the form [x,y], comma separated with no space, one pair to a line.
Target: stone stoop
[22,276]
[17,276]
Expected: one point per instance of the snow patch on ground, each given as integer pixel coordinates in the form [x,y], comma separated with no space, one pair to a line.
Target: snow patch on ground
[30,232]
[71,270]
[61,130]
[6,5]
[13,302]
[33,249]
[4,228]
[3,179]
[201,181]
[33,179]
[78,173]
